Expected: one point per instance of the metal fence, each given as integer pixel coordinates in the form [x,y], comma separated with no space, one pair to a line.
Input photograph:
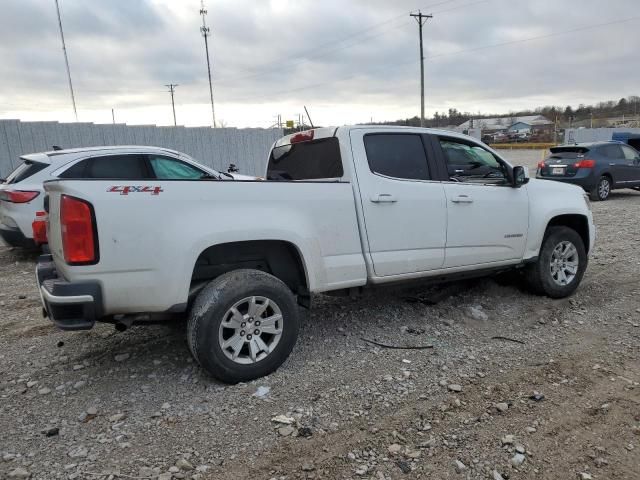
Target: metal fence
[247,148]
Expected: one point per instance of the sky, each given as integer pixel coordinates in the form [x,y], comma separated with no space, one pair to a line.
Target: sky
[347,61]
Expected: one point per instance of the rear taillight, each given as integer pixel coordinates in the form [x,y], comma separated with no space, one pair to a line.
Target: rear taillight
[18,196]
[39,228]
[302,137]
[585,164]
[79,239]
[541,165]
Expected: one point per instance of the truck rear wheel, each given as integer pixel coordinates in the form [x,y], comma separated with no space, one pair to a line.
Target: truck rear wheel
[243,325]
[561,263]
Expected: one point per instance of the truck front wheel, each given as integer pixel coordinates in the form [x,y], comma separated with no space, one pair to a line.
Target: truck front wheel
[561,263]
[243,325]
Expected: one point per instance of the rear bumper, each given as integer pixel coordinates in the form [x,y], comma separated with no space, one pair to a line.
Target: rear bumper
[15,238]
[69,305]
[586,179]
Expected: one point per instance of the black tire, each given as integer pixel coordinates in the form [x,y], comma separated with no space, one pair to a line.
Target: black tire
[538,275]
[598,193]
[209,310]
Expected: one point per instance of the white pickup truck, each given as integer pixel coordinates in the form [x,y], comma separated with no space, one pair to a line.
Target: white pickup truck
[341,209]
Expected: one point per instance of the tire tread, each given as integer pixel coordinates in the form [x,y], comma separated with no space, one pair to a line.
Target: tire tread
[534,274]
[221,291]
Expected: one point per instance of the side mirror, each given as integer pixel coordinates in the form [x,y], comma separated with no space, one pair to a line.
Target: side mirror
[520,176]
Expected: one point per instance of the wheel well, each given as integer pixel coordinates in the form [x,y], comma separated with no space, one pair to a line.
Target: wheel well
[279,258]
[579,223]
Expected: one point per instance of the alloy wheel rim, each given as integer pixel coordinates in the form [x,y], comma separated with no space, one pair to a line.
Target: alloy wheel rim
[604,188]
[250,330]
[564,263]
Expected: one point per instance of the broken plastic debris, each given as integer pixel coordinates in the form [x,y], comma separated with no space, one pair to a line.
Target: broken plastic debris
[262,391]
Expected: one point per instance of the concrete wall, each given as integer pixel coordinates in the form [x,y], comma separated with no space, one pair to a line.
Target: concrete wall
[217,148]
[582,135]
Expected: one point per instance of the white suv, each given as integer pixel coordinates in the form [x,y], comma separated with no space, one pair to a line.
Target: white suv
[22,193]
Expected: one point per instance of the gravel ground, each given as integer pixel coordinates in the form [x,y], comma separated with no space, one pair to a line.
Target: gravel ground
[107,405]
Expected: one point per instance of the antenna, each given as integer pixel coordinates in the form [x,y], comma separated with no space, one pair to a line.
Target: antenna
[206,33]
[308,116]
[66,62]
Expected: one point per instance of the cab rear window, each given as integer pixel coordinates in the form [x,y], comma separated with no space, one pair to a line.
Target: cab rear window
[25,170]
[314,160]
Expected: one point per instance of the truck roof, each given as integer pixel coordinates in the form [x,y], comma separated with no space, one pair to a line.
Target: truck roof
[325,132]
[433,131]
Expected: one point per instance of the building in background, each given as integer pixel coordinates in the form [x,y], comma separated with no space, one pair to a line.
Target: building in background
[511,128]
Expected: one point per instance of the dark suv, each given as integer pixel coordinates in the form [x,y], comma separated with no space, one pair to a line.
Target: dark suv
[597,167]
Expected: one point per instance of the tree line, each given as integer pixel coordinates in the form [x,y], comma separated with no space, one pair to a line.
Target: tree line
[628,106]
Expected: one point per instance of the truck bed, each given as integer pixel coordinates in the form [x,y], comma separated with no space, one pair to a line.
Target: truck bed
[150,233]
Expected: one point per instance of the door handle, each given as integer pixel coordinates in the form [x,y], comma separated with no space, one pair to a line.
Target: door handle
[462,199]
[612,164]
[383,198]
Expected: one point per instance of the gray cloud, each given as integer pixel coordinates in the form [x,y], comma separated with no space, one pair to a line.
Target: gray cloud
[356,52]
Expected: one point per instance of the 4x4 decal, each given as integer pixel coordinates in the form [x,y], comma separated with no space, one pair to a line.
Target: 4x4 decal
[127,189]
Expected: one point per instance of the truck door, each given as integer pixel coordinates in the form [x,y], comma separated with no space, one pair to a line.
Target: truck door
[404,211]
[488,220]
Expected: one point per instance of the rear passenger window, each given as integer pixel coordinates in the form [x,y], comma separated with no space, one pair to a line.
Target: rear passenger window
[125,167]
[397,156]
[312,160]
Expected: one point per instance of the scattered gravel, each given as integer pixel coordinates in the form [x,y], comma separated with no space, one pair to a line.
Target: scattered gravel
[135,404]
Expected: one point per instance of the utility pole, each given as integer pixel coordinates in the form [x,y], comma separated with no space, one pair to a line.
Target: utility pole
[206,33]
[421,19]
[66,62]
[172,87]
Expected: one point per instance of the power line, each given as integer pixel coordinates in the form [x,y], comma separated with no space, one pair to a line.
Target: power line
[539,37]
[318,51]
[442,55]
[172,87]
[281,68]
[66,62]
[206,33]
[289,65]
[421,19]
